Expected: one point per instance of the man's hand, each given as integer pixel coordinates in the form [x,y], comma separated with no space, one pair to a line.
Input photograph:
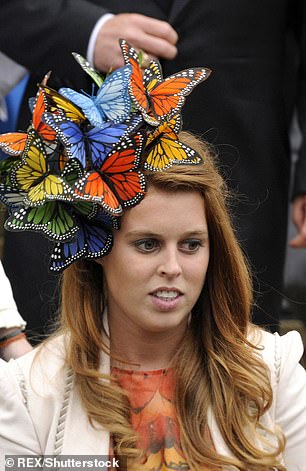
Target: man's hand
[299,220]
[155,37]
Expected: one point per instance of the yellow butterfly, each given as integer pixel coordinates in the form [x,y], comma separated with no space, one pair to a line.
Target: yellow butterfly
[58,102]
[33,175]
[163,147]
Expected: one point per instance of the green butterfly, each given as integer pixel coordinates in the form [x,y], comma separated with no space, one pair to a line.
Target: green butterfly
[97,78]
[54,219]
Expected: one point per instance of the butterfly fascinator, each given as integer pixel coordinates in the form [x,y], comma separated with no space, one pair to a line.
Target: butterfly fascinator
[81,161]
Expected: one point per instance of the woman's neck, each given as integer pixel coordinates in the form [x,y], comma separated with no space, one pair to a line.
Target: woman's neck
[143,350]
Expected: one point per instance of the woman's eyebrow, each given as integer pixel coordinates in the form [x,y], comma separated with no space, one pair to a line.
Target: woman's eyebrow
[141,233]
[146,233]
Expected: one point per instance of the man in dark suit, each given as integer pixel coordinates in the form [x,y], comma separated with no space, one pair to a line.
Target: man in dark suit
[244,109]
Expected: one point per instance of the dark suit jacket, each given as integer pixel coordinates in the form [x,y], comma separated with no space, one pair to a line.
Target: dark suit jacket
[257,53]
[244,43]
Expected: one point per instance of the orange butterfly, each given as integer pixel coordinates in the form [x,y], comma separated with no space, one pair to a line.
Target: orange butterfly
[13,143]
[159,99]
[117,184]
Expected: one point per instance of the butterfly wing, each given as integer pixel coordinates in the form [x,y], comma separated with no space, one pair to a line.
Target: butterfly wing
[60,187]
[86,104]
[120,171]
[97,78]
[13,143]
[58,102]
[168,96]
[161,146]
[95,142]
[72,171]
[93,187]
[6,167]
[167,151]
[32,166]
[112,98]
[171,127]
[103,139]
[158,99]
[151,78]
[51,188]
[40,107]
[70,134]
[93,240]
[32,176]
[52,219]
[136,86]
[31,103]
[117,183]
[164,148]
[12,198]
[152,75]
[129,187]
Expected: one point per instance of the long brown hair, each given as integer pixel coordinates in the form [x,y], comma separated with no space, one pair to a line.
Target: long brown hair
[216,366]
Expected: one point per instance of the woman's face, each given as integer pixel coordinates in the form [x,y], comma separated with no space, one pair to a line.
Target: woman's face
[157,267]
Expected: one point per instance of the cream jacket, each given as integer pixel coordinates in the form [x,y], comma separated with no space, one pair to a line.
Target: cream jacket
[41,413]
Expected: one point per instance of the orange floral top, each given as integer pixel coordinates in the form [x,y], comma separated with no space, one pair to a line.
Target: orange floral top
[153,417]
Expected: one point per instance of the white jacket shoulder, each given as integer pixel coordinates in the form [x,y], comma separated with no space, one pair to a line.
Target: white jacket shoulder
[288,378]
[31,391]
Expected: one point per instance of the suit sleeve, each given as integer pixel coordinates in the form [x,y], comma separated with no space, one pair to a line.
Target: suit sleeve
[299,186]
[17,433]
[290,411]
[41,34]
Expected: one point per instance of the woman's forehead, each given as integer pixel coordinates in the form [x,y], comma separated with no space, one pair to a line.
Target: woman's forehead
[163,207]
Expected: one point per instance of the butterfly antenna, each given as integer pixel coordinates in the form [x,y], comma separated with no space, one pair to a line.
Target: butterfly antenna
[110,70]
[140,58]
[46,78]
[87,94]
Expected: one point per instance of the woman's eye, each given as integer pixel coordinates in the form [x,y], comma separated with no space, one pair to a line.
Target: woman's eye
[146,245]
[191,245]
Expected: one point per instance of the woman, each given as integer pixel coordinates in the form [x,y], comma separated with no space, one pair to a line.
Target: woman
[156,360]
[175,296]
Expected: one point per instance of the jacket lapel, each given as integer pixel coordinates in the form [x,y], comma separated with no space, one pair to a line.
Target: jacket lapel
[91,440]
[177,7]
[95,440]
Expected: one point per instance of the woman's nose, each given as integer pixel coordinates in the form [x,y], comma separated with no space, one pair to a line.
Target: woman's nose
[170,264]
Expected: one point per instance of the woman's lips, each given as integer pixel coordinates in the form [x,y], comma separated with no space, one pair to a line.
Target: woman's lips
[166,299]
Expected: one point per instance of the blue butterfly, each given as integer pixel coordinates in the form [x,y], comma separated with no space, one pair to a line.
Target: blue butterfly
[93,240]
[112,101]
[89,145]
